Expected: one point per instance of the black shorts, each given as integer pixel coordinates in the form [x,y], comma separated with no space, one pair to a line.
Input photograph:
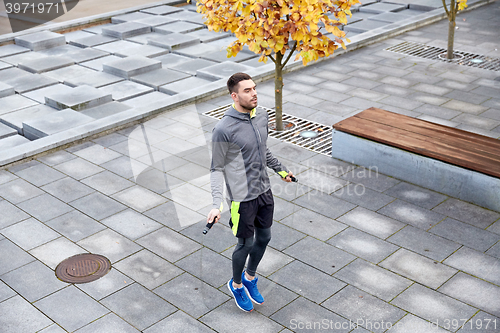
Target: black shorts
[247,215]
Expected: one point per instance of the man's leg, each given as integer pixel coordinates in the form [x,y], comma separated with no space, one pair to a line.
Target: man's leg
[262,238]
[240,255]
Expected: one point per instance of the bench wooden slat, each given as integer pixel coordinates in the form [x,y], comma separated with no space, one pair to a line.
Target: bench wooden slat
[414,124]
[452,136]
[420,144]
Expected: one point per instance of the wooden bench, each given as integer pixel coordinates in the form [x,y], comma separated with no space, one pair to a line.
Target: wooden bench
[448,160]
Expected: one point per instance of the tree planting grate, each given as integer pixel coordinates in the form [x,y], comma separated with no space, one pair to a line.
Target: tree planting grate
[437,53]
[301,132]
[83,268]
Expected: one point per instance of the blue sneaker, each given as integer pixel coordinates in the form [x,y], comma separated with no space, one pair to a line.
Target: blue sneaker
[251,288]
[240,297]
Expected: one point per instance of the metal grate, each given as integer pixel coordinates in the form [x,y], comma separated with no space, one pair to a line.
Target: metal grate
[322,143]
[437,53]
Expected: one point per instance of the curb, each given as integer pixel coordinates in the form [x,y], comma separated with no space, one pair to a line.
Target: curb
[102,126]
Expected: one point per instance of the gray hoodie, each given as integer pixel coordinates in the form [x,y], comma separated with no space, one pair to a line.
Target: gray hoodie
[240,156]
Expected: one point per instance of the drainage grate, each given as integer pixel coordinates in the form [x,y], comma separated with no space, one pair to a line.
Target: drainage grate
[83,268]
[437,53]
[298,131]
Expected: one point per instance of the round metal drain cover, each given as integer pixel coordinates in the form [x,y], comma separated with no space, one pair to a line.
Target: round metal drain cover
[83,268]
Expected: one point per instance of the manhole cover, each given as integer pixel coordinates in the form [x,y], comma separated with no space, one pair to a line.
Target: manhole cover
[83,268]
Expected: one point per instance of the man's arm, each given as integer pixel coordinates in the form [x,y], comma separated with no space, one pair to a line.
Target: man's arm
[219,151]
[275,164]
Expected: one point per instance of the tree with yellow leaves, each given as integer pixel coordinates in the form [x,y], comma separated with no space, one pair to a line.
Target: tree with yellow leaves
[455,6]
[276,29]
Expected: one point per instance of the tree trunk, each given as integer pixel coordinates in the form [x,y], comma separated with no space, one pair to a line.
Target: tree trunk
[451,30]
[278,91]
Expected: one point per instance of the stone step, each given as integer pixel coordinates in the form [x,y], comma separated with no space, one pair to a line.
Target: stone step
[39,94]
[6,90]
[191,66]
[130,66]
[15,102]
[54,123]
[178,27]
[156,20]
[162,10]
[159,77]
[46,64]
[4,65]
[96,80]
[92,41]
[381,7]
[6,131]
[125,30]
[30,82]
[148,51]
[12,49]
[206,36]
[183,85]
[124,90]
[15,119]
[173,41]
[221,71]
[129,17]
[12,141]
[106,110]
[79,98]
[41,40]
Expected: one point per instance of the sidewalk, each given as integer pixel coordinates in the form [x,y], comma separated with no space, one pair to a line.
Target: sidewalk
[352,250]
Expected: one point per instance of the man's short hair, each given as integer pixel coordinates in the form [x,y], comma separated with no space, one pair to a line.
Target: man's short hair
[233,81]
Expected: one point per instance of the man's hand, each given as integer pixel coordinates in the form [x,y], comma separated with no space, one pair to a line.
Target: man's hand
[288,178]
[213,214]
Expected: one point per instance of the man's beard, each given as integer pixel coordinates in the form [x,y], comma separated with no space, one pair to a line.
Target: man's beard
[248,107]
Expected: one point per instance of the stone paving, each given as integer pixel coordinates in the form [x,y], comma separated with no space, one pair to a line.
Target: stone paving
[352,250]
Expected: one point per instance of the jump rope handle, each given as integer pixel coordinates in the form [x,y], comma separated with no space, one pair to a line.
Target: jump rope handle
[209,226]
[295,180]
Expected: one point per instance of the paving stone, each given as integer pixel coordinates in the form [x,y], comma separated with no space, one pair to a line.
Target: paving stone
[12,49]
[18,315]
[139,198]
[302,312]
[206,36]
[40,40]
[31,82]
[364,26]
[236,317]
[18,58]
[7,131]
[155,20]
[52,253]
[211,267]
[97,64]
[362,196]
[78,168]
[97,29]
[5,292]
[53,123]
[110,323]
[192,66]
[13,103]
[411,214]
[424,243]
[87,54]
[98,206]
[183,85]
[45,64]
[162,10]
[92,41]
[148,51]
[131,66]
[4,65]
[18,191]
[474,291]
[110,244]
[29,234]
[159,77]
[390,17]
[305,281]
[6,90]
[371,222]
[187,16]
[138,306]
[11,214]
[494,251]
[186,291]
[465,234]
[173,41]
[44,207]
[116,46]
[319,255]
[76,35]
[179,27]
[362,245]
[364,309]
[129,17]
[39,174]
[481,321]
[105,110]
[143,39]
[476,263]
[71,308]
[477,121]
[96,80]
[467,97]
[432,305]
[67,189]
[464,107]
[75,225]
[33,281]
[437,111]
[373,279]
[12,257]
[80,98]
[416,267]
[131,224]
[106,285]
[126,30]
[179,321]
[97,154]
[68,73]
